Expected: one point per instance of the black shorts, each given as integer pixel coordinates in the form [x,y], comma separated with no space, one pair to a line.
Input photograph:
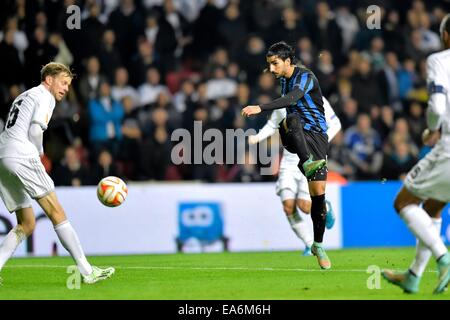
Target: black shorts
[317,144]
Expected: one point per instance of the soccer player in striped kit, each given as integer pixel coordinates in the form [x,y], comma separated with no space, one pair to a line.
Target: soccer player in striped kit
[303,131]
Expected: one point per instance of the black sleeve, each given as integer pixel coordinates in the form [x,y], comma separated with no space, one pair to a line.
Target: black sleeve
[290,99]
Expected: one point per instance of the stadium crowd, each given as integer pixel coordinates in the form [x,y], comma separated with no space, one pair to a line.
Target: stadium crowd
[145,68]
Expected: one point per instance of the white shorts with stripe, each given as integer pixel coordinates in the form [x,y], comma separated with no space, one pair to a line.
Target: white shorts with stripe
[292,184]
[430,177]
[22,180]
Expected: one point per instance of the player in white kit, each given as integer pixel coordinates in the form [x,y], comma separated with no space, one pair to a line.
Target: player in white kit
[23,177]
[292,185]
[429,180]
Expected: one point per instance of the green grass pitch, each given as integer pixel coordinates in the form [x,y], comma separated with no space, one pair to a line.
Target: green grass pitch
[218,276]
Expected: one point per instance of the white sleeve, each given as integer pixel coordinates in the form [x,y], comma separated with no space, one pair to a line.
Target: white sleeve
[437,82]
[42,111]
[35,134]
[333,122]
[272,124]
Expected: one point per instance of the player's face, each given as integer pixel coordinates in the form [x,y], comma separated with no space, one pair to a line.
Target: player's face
[277,66]
[59,85]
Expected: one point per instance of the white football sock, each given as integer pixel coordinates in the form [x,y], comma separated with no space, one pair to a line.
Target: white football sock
[69,240]
[301,228]
[10,244]
[420,224]
[423,254]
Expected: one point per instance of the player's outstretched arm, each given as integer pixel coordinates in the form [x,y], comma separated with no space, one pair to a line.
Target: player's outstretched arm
[269,128]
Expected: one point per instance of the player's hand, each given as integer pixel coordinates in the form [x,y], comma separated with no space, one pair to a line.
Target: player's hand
[253,139]
[430,137]
[250,110]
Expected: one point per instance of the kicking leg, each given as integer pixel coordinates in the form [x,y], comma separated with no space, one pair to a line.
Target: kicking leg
[69,239]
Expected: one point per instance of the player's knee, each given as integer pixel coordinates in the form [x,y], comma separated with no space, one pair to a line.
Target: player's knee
[28,226]
[304,205]
[399,204]
[288,207]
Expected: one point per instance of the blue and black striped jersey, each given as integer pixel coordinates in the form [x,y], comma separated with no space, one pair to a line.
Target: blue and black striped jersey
[310,106]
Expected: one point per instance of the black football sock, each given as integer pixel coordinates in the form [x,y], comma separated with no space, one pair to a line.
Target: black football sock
[318,213]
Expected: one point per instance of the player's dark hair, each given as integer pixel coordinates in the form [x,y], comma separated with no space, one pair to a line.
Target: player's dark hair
[283,51]
[445,24]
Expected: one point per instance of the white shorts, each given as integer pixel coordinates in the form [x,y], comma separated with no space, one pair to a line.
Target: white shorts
[292,184]
[21,180]
[430,177]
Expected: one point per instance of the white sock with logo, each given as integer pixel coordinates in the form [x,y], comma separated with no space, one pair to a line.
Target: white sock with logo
[420,224]
[301,228]
[423,254]
[71,243]
[10,244]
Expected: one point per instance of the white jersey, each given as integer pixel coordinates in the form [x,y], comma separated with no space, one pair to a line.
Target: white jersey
[438,77]
[291,160]
[33,106]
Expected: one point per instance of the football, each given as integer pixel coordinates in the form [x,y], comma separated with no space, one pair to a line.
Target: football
[112,191]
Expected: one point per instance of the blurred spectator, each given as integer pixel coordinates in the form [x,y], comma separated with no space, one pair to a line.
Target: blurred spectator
[388,80]
[365,148]
[306,52]
[127,23]
[141,63]
[161,36]
[233,29]
[339,157]
[246,170]
[149,91]
[416,122]
[348,114]
[10,65]
[103,167]
[393,35]
[70,172]
[349,26]
[397,163]
[106,116]
[109,56]
[89,84]
[179,24]
[20,40]
[92,31]
[131,138]
[289,29]
[121,88]
[38,54]
[325,73]
[364,86]
[327,35]
[63,54]
[220,85]
[155,150]
[254,58]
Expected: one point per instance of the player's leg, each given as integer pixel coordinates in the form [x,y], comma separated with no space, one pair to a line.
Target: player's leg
[423,254]
[25,226]
[304,206]
[298,225]
[16,200]
[293,138]
[421,225]
[318,216]
[69,239]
